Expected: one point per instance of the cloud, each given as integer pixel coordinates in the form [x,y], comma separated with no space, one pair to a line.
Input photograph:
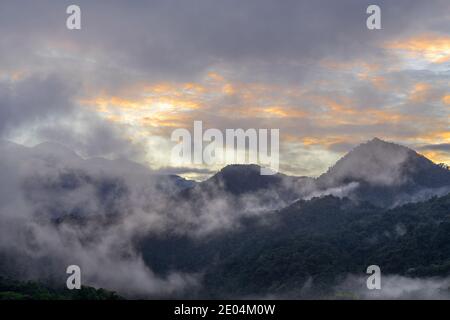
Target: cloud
[40,107]
[433,48]
[149,67]
[91,136]
[439,147]
[340,192]
[58,209]
[397,287]
[170,41]
[135,71]
[440,152]
[32,99]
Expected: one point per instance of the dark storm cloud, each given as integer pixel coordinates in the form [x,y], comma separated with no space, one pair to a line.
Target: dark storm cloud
[33,99]
[180,39]
[185,37]
[439,147]
[122,44]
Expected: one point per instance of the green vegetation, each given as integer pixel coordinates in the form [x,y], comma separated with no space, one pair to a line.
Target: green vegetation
[303,250]
[30,290]
[317,242]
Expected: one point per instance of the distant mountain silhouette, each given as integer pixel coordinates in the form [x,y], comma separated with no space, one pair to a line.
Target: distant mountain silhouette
[239,181]
[249,235]
[383,173]
[387,174]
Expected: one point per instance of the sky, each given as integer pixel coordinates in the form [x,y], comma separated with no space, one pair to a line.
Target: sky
[137,70]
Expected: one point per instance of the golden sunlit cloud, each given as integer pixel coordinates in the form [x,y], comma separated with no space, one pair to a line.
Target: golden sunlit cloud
[153,111]
[362,70]
[446,99]
[419,92]
[325,141]
[438,136]
[283,112]
[228,89]
[264,112]
[432,48]
[437,156]
[216,77]
[344,111]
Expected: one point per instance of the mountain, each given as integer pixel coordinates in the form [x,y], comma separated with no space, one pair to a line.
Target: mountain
[309,248]
[243,183]
[60,183]
[241,179]
[387,174]
[382,173]
[180,182]
[239,234]
[385,164]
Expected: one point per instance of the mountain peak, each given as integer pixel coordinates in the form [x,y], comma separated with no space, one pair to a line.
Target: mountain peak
[376,161]
[380,143]
[236,168]
[386,173]
[376,139]
[242,178]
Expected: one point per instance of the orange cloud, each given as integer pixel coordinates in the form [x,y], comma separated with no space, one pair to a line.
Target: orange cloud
[437,156]
[322,141]
[439,136]
[228,89]
[432,48]
[446,99]
[419,92]
[162,121]
[284,112]
[379,82]
[363,70]
[344,111]
[156,109]
[216,77]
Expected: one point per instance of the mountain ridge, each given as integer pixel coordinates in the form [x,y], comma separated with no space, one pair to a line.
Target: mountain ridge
[384,173]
